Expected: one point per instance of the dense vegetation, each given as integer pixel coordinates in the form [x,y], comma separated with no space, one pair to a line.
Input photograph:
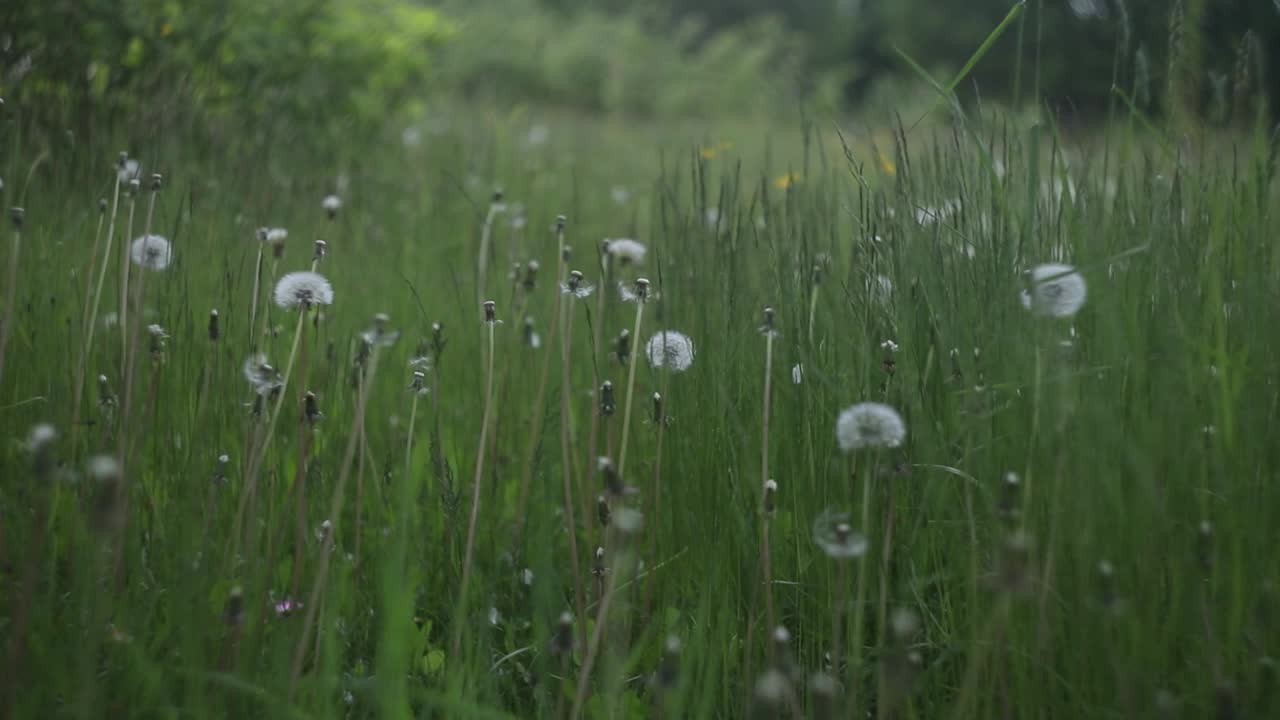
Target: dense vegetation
[311,410]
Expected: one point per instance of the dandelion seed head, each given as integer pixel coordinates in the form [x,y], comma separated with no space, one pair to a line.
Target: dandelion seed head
[41,436]
[671,350]
[128,170]
[870,425]
[626,250]
[152,252]
[303,290]
[275,236]
[103,468]
[331,203]
[833,533]
[1057,290]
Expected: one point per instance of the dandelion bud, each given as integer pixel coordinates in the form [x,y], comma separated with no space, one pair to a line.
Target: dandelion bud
[597,567]
[102,206]
[105,472]
[1106,585]
[322,248]
[40,445]
[607,402]
[622,346]
[215,331]
[1014,572]
[823,691]
[768,319]
[817,275]
[156,181]
[566,252]
[490,312]
[642,289]
[1204,546]
[418,382]
[531,338]
[135,186]
[669,670]
[562,640]
[781,638]
[560,222]
[530,275]
[122,159]
[1010,498]
[602,511]
[220,470]
[612,480]
[659,415]
[901,663]
[311,411]
[233,612]
[575,280]
[17,215]
[771,497]
[437,338]
[497,197]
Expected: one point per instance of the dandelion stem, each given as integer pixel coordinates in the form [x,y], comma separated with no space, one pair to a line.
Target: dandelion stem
[124,279]
[631,382]
[855,667]
[335,515]
[11,298]
[253,304]
[566,456]
[87,348]
[459,620]
[764,479]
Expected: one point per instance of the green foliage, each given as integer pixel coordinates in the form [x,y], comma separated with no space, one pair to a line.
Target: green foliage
[629,62]
[283,60]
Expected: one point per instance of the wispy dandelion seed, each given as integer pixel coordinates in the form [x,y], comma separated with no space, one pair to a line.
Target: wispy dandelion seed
[870,425]
[152,252]
[832,533]
[303,289]
[1057,290]
[670,350]
[625,250]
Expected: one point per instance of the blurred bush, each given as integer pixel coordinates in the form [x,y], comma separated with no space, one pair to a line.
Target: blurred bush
[86,61]
[627,62]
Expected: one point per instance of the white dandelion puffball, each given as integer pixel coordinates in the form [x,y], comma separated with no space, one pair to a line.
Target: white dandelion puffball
[332,203]
[671,350]
[1057,290]
[129,171]
[275,236]
[626,250]
[151,252]
[303,289]
[833,533]
[870,425]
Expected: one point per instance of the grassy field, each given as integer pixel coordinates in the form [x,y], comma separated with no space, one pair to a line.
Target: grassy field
[1079,522]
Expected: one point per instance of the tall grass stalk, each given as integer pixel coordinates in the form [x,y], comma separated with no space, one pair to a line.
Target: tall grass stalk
[642,295]
[566,449]
[11,295]
[460,615]
[126,271]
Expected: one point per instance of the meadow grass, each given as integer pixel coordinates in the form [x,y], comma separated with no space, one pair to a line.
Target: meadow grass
[1081,516]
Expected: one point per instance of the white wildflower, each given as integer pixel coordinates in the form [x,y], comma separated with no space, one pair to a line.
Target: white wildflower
[889,345]
[331,204]
[1057,290]
[129,171]
[670,349]
[303,289]
[276,236]
[870,425]
[40,437]
[151,252]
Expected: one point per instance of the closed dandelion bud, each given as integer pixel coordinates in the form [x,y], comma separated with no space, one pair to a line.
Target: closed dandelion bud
[597,567]
[1107,586]
[1014,574]
[496,199]
[770,496]
[122,160]
[622,346]
[134,187]
[233,612]
[490,312]
[565,253]
[105,396]
[215,331]
[602,511]
[612,480]
[823,691]
[669,670]
[531,338]
[220,469]
[40,445]
[1204,546]
[322,248]
[562,640]
[158,338]
[102,206]
[575,281]
[607,401]
[1010,499]
[768,320]
[642,289]
[659,415]
[817,275]
[781,640]
[530,275]
[418,382]
[156,181]
[437,339]
[311,410]
[17,215]
[560,222]
[105,473]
